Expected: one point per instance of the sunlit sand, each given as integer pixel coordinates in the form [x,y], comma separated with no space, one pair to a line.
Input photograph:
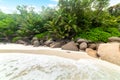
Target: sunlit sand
[18,62]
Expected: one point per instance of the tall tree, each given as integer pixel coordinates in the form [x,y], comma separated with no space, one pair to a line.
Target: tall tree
[114,10]
[29,21]
[84,10]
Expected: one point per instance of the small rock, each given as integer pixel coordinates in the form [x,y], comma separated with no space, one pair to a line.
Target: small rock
[34,39]
[55,45]
[114,39]
[83,46]
[36,43]
[21,42]
[70,46]
[91,52]
[93,46]
[82,40]
[48,42]
[42,42]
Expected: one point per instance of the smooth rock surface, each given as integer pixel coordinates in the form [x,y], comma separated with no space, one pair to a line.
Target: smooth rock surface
[70,46]
[48,42]
[21,42]
[92,46]
[36,43]
[91,52]
[56,45]
[34,39]
[114,39]
[83,46]
[110,52]
[82,40]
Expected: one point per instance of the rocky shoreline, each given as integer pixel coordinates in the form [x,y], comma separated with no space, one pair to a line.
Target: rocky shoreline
[106,51]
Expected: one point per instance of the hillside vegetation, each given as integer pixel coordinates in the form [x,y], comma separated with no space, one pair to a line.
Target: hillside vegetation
[89,19]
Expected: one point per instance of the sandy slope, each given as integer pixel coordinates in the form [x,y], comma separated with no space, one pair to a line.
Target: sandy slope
[18,48]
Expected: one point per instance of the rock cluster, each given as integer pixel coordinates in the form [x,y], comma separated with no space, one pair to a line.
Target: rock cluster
[109,51]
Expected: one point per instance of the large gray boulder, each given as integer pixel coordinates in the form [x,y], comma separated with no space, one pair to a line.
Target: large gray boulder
[110,52]
[114,39]
[70,46]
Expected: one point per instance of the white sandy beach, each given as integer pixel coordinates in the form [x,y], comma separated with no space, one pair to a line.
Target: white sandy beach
[18,48]
[19,62]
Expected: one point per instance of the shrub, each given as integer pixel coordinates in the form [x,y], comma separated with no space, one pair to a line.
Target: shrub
[42,35]
[96,35]
[113,31]
[100,34]
[15,39]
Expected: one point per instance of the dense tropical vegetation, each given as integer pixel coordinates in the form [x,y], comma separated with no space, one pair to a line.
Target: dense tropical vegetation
[89,19]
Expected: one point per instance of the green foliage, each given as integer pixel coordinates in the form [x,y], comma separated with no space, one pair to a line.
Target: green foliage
[62,26]
[95,35]
[99,34]
[47,14]
[29,22]
[110,21]
[42,35]
[2,15]
[73,18]
[15,39]
[113,31]
[88,12]
[7,27]
[114,10]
